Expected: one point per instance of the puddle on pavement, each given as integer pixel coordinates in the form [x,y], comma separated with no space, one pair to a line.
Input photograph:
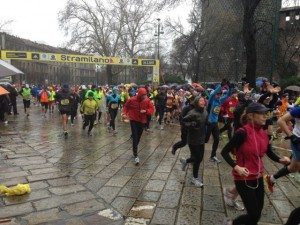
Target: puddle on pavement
[110,214]
[143,211]
[136,221]
[143,207]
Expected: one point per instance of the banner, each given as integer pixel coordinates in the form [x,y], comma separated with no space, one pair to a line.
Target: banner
[70,58]
[91,59]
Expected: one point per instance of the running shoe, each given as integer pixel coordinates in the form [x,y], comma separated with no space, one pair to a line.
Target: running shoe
[238,206]
[66,134]
[137,160]
[109,129]
[270,183]
[215,159]
[183,164]
[197,182]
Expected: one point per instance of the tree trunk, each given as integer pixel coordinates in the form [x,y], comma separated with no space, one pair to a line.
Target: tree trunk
[109,74]
[249,31]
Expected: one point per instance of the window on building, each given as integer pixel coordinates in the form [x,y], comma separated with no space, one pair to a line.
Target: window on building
[297,15]
[287,17]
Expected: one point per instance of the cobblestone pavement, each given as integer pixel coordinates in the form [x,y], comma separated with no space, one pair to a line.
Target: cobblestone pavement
[76,180]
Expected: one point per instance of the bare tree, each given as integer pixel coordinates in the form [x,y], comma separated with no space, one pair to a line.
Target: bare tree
[108,28]
[4,24]
[206,31]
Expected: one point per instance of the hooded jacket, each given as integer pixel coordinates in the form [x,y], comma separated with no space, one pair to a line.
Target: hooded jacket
[195,121]
[135,104]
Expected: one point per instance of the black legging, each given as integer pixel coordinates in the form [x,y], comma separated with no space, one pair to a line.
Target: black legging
[197,152]
[212,128]
[294,218]
[253,199]
[183,141]
[113,114]
[147,125]
[73,115]
[89,120]
[136,133]
[160,111]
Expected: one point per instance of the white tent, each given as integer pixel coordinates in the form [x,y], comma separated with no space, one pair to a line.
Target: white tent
[7,69]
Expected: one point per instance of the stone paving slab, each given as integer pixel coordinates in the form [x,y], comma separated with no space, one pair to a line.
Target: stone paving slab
[73,179]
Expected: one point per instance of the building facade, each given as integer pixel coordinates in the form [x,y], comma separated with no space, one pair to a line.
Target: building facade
[289,41]
[226,57]
[48,72]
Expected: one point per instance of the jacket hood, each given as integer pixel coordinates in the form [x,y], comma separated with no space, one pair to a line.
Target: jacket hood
[141,92]
[195,102]
[115,90]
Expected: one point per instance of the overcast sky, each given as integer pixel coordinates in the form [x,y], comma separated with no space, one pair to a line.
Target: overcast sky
[36,20]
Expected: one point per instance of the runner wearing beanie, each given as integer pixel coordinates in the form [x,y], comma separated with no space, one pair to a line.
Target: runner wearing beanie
[137,109]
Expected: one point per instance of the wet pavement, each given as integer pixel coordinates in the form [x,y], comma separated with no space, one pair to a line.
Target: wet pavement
[93,180]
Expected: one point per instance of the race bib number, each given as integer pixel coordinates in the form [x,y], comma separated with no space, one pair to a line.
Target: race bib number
[231,109]
[217,110]
[114,105]
[65,102]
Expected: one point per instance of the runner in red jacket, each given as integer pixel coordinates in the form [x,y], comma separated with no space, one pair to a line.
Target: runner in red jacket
[137,109]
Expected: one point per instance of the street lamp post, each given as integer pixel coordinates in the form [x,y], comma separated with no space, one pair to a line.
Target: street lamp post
[158,31]
[236,69]
[97,70]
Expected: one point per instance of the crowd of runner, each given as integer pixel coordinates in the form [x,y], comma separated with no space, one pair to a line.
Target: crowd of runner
[252,118]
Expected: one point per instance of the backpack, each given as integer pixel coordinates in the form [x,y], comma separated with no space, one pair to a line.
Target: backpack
[44,96]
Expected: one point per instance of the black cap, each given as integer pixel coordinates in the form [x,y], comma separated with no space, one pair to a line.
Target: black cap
[255,107]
